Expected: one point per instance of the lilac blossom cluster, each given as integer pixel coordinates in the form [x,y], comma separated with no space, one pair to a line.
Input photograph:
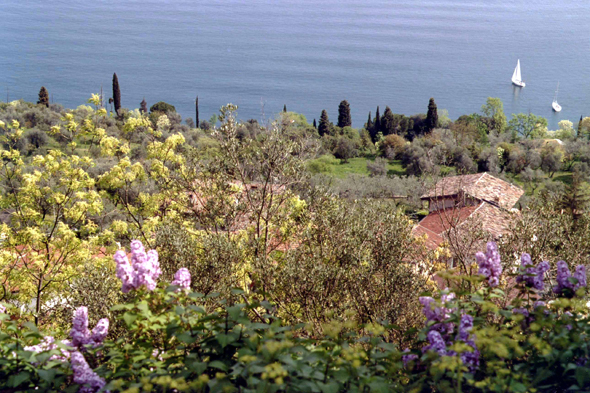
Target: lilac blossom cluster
[143,270]
[81,335]
[470,358]
[564,275]
[48,344]
[489,264]
[440,332]
[438,314]
[84,375]
[530,275]
[182,278]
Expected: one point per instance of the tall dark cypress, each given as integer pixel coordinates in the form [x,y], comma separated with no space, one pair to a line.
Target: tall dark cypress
[43,97]
[315,124]
[387,121]
[580,126]
[197,111]
[324,125]
[143,106]
[376,125]
[431,116]
[369,126]
[116,93]
[285,108]
[344,119]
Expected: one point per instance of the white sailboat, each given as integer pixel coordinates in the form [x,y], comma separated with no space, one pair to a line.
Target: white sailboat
[516,78]
[556,107]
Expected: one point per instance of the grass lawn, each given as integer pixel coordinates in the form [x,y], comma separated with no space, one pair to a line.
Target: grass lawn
[358,165]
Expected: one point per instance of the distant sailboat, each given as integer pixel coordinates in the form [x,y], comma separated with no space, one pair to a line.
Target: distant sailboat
[516,78]
[555,105]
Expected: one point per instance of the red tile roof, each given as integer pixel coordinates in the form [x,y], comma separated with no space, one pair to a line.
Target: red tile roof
[482,186]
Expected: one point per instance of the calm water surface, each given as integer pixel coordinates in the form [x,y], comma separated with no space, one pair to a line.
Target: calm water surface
[307,54]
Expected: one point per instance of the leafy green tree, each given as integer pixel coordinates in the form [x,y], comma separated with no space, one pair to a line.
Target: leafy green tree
[528,125]
[116,93]
[50,233]
[324,126]
[431,116]
[551,159]
[43,97]
[162,106]
[344,119]
[388,122]
[494,109]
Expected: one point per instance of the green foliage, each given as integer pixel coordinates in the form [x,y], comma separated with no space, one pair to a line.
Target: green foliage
[163,107]
[344,119]
[116,93]
[43,97]
[431,116]
[494,109]
[528,125]
[322,164]
[324,126]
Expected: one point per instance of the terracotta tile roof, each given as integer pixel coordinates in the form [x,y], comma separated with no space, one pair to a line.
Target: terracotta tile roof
[482,186]
[441,220]
[493,220]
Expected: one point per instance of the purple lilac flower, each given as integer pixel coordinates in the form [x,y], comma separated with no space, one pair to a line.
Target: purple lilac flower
[84,375]
[437,343]
[48,344]
[81,335]
[143,270]
[465,327]
[100,331]
[563,275]
[521,311]
[489,264]
[80,332]
[530,275]
[409,357]
[539,303]
[182,278]
[438,314]
[469,358]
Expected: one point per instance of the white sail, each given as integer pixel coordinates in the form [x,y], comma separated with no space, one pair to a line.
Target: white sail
[555,105]
[516,78]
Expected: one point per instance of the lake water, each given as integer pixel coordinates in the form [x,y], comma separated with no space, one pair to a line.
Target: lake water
[307,54]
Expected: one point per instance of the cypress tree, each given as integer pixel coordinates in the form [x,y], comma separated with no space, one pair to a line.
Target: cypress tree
[431,116]
[376,126]
[344,119]
[580,126]
[143,106]
[324,126]
[377,122]
[369,125]
[43,97]
[116,93]
[285,108]
[387,122]
[197,111]
[315,124]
